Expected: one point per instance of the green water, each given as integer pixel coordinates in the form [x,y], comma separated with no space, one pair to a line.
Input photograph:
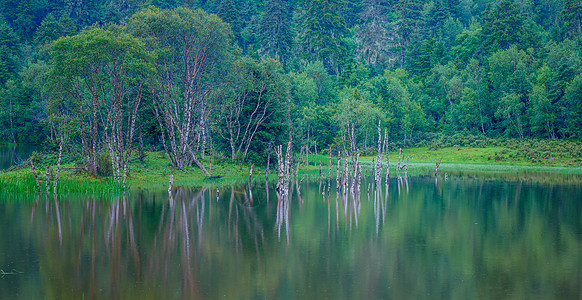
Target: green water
[12,155]
[469,237]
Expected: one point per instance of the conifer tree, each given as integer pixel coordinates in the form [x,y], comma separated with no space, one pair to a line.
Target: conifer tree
[503,26]
[8,52]
[321,29]
[572,15]
[275,31]
[375,36]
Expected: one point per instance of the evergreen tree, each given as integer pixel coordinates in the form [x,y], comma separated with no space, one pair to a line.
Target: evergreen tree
[321,29]
[375,37]
[66,26]
[435,17]
[275,31]
[119,11]
[408,26]
[8,52]
[230,12]
[503,26]
[48,30]
[83,12]
[25,23]
[572,15]
[166,3]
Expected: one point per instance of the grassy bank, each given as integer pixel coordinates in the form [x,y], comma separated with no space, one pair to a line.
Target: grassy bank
[153,173]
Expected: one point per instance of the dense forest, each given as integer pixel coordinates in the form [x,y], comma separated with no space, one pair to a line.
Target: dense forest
[231,78]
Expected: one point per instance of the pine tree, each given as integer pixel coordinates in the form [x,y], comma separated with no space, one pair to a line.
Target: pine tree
[8,52]
[375,37]
[572,15]
[503,26]
[230,11]
[435,19]
[408,26]
[25,22]
[48,30]
[321,29]
[275,31]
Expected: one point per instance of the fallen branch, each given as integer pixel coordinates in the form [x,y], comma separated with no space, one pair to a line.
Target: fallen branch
[138,158]
[13,272]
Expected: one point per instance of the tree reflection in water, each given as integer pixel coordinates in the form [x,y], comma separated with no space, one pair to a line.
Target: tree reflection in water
[463,237]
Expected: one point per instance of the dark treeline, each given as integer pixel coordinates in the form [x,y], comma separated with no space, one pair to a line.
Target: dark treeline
[222,77]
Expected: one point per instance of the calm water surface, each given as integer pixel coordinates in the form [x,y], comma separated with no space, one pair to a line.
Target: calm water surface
[11,155]
[464,238]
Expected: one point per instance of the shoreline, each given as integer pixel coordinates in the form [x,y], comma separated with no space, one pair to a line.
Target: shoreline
[154,172]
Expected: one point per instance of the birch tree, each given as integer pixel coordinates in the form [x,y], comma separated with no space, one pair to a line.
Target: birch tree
[257,90]
[192,50]
[98,79]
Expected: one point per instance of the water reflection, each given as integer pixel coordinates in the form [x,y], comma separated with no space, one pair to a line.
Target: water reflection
[16,154]
[404,239]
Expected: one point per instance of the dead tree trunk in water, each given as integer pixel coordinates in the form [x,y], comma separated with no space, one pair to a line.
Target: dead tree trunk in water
[34,173]
[299,161]
[386,153]
[58,165]
[47,179]
[329,173]
[284,163]
[268,160]
[436,171]
[399,159]
[337,178]
[378,174]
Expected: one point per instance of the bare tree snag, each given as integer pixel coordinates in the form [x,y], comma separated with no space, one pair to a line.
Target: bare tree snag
[58,165]
[34,173]
[268,159]
[329,173]
[386,153]
[171,183]
[436,171]
[47,179]
[299,161]
[284,164]
[399,159]
[337,178]
[378,174]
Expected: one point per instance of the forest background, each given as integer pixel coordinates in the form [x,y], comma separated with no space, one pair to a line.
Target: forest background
[230,78]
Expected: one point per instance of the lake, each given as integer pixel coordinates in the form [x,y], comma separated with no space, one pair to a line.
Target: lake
[468,237]
[12,155]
